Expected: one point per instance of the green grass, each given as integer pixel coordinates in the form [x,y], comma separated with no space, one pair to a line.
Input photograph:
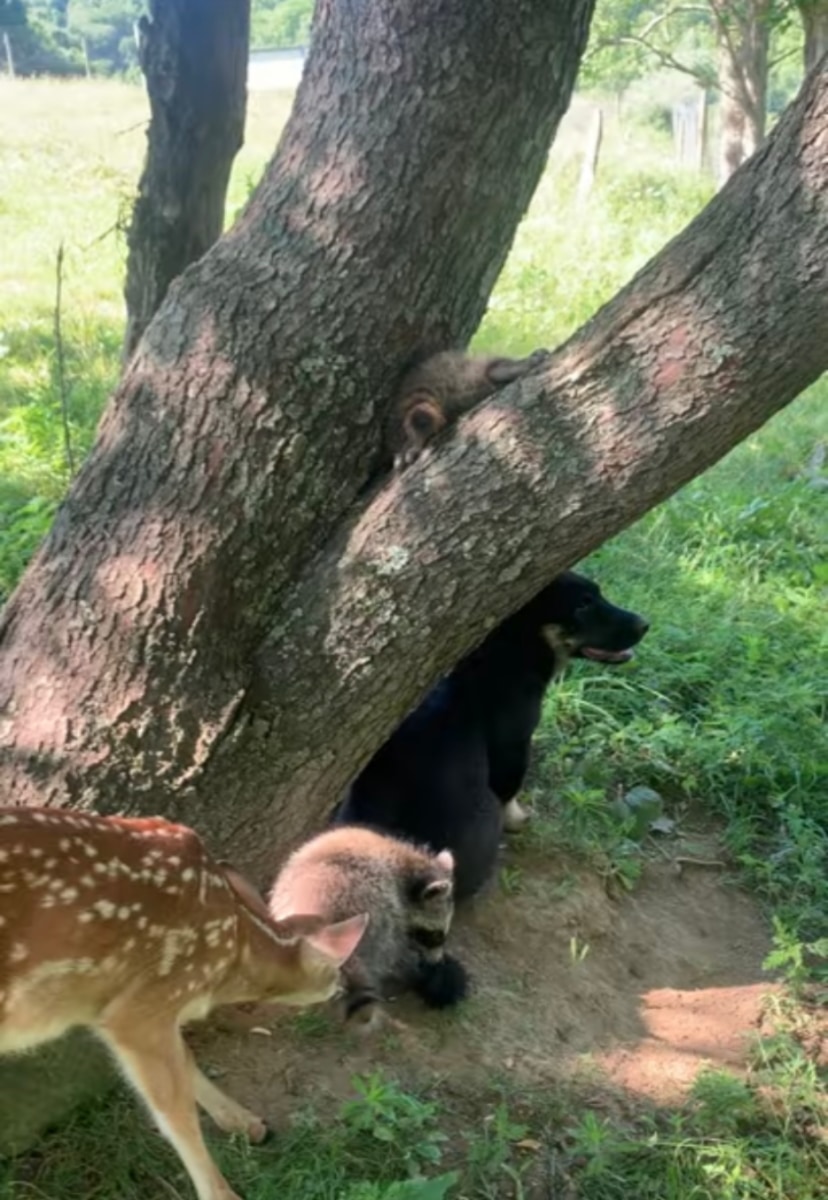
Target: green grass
[723,708]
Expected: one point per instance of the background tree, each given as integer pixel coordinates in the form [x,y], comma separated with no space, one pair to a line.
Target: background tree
[108,29]
[814,14]
[39,42]
[222,624]
[281,22]
[723,45]
[194,55]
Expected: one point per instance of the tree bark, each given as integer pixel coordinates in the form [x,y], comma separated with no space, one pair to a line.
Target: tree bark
[814,14]
[743,36]
[194,55]
[140,674]
[248,420]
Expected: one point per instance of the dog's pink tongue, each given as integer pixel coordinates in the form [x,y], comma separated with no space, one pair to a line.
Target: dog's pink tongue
[607,655]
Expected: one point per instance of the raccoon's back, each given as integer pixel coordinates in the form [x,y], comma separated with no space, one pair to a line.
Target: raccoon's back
[338,886]
[454,379]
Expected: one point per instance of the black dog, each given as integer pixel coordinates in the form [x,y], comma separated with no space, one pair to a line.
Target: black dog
[449,775]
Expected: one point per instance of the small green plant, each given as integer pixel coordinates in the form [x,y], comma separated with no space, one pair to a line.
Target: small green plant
[511,880]
[387,1114]
[491,1161]
[798,961]
[724,1104]
[578,950]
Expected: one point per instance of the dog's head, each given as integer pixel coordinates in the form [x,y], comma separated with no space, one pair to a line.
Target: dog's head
[577,622]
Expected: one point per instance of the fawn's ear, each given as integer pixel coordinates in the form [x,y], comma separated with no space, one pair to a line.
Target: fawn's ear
[244,889]
[339,941]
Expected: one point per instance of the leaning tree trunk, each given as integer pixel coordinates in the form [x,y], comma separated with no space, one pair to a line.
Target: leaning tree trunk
[219,625]
[743,36]
[194,56]
[814,14]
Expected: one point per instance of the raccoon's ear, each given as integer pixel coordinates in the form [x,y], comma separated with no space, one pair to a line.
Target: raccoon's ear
[338,942]
[446,859]
[431,889]
[244,889]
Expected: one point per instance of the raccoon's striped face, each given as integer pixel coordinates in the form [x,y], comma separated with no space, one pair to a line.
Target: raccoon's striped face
[431,911]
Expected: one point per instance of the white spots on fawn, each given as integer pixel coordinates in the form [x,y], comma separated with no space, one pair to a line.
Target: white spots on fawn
[8,887]
[2,920]
[188,875]
[65,845]
[68,895]
[177,943]
[105,908]
[11,819]
[18,953]
[4,856]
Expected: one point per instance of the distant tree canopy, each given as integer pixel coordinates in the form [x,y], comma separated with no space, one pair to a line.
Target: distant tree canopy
[280,22]
[48,36]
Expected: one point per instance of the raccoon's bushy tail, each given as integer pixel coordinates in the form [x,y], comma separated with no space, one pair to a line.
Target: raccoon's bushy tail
[441,984]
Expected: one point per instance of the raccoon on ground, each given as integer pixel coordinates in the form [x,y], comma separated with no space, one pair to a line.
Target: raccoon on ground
[437,391]
[408,892]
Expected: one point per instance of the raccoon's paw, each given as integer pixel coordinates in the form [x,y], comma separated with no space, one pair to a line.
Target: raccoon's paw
[363,1015]
[515,816]
[536,358]
[407,457]
[442,984]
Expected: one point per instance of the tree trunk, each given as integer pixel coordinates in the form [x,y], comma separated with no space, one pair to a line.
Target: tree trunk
[743,35]
[814,14]
[134,647]
[247,421]
[194,56]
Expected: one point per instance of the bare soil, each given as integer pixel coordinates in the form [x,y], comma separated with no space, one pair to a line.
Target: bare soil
[633,992]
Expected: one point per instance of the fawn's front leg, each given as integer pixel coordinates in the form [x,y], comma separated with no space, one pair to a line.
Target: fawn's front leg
[152,1055]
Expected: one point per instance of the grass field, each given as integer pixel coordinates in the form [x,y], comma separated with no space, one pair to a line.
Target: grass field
[724,708]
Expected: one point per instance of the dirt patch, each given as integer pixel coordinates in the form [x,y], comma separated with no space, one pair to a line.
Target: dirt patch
[639,990]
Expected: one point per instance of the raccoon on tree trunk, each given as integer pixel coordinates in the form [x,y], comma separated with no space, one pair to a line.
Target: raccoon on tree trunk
[437,391]
[408,893]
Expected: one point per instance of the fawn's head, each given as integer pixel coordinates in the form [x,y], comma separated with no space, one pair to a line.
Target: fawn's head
[92,906]
[309,950]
